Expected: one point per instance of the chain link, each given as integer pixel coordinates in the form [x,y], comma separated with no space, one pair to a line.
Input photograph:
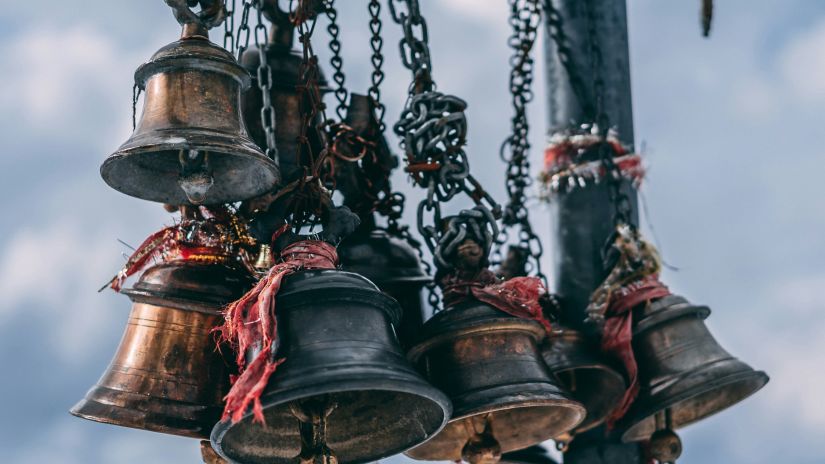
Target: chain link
[525,17]
[264,76]
[243,30]
[377,59]
[559,36]
[335,60]
[414,46]
[229,26]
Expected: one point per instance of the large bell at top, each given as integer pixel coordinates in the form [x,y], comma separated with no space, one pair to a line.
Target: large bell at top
[683,372]
[584,373]
[343,363]
[504,398]
[191,143]
[166,375]
[393,265]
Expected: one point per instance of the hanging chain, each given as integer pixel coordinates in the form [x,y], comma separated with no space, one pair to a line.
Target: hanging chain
[414,47]
[264,76]
[377,76]
[525,17]
[335,60]
[229,26]
[559,36]
[243,30]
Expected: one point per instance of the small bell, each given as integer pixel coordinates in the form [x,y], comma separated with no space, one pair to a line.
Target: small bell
[166,375]
[191,145]
[488,363]
[584,373]
[341,362]
[683,371]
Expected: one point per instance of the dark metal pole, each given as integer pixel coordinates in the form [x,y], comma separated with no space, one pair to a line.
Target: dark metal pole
[584,216]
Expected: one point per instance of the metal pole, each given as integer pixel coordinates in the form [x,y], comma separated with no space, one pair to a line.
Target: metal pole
[583,217]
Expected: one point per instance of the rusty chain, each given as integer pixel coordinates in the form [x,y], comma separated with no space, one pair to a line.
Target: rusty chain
[525,18]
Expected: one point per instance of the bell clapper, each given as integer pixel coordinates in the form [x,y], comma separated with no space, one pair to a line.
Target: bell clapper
[665,446]
[482,447]
[312,416]
[195,177]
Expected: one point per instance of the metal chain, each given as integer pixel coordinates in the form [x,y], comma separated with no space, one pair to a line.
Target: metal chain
[559,36]
[264,76]
[243,30]
[335,60]
[377,59]
[525,18]
[414,47]
[229,26]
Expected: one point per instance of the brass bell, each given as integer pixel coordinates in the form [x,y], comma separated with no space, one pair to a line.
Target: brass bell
[683,372]
[393,265]
[166,375]
[342,367]
[191,143]
[584,373]
[489,364]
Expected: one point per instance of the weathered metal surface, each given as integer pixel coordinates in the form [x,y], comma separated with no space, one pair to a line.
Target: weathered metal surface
[166,375]
[336,334]
[584,373]
[682,369]
[489,365]
[191,133]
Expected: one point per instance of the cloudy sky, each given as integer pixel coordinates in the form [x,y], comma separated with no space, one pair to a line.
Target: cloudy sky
[729,126]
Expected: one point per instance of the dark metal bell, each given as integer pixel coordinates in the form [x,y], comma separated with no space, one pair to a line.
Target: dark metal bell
[166,375]
[584,373]
[682,369]
[393,265]
[336,335]
[191,144]
[489,365]
[285,67]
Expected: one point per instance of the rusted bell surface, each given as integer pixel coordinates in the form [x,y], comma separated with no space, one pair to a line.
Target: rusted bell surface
[393,265]
[532,455]
[166,375]
[682,369]
[337,339]
[588,378]
[191,143]
[286,103]
[489,365]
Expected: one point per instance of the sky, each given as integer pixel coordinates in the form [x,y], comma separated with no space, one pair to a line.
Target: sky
[734,193]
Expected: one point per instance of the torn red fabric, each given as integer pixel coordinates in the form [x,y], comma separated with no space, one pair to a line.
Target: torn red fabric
[517,297]
[251,322]
[151,248]
[617,334]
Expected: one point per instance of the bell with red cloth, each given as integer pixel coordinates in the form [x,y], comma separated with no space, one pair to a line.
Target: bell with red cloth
[323,375]
[483,351]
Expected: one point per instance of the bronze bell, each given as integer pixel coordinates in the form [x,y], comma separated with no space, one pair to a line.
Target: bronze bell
[584,373]
[191,143]
[167,375]
[683,372]
[393,265]
[504,397]
[343,365]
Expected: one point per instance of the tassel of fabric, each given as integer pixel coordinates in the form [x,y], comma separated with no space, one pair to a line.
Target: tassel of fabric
[251,322]
[151,248]
[517,297]
[617,334]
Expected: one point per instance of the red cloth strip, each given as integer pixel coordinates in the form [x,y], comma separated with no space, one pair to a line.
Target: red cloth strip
[251,322]
[517,297]
[617,334]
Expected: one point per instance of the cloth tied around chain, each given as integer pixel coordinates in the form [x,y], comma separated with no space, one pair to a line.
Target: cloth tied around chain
[251,322]
[209,239]
[518,296]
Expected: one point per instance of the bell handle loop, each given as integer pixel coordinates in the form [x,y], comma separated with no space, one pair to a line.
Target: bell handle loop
[212,14]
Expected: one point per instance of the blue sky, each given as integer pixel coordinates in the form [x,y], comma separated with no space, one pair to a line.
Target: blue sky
[730,127]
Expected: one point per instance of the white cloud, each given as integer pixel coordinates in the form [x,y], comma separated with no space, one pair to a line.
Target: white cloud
[802,64]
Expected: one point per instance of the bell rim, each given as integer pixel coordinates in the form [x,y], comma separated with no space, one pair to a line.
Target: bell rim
[638,418]
[588,424]
[82,410]
[420,388]
[219,61]
[167,301]
[228,147]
